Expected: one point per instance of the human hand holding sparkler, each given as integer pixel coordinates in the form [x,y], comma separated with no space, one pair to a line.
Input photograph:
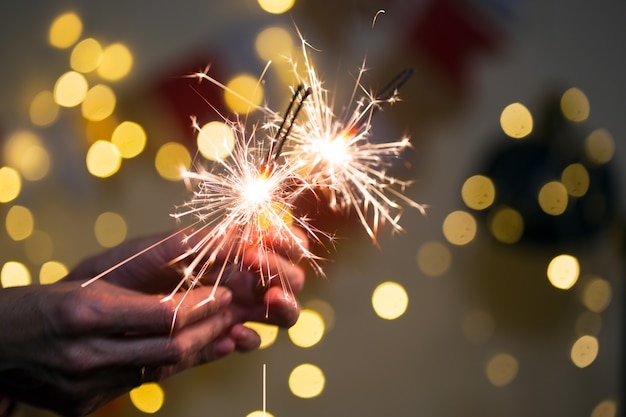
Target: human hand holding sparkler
[72,348]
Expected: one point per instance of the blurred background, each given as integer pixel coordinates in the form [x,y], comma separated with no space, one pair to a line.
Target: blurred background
[506,298]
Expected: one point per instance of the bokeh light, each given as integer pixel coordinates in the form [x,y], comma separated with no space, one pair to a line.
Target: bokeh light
[276,6]
[600,146]
[434,258]
[43,110]
[325,310]
[584,351]
[274,44]
[216,140]
[86,55]
[606,408]
[506,224]
[306,381]
[70,89]
[65,30]
[308,330]
[244,94]
[516,121]
[478,192]
[597,294]
[563,271]
[10,184]
[553,198]
[575,178]
[103,159]
[171,160]
[14,274]
[19,223]
[459,227]
[501,369]
[390,300]
[116,63]
[148,398]
[99,103]
[267,332]
[575,105]
[24,151]
[110,229]
[51,272]
[129,138]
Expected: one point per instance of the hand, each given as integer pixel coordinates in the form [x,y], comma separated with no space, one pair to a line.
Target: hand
[71,348]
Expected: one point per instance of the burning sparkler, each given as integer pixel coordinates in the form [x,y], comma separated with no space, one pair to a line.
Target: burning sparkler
[339,156]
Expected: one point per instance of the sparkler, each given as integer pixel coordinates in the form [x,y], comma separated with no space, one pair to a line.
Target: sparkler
[244,201]
[338,155]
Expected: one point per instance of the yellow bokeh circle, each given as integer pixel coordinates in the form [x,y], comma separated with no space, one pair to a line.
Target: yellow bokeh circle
[70,89]
[51,272]
[14,274]
[243,94]
[390,300]
[216,140]
[129,138]
[276,6]
[306,381]
[516,121]
[103,159]
[10,184]
[459,227]
[65,30]
[478,192]
[172,159]
[563,271]
[308,330]
[116,62]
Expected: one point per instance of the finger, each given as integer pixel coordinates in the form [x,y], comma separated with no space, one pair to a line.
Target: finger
[282,307]
[136,263]
[105,308]
[277,307]
[245,338]
[271,266]
[135,351]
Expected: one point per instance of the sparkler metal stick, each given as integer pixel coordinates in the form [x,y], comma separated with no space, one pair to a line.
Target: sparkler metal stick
[298,98]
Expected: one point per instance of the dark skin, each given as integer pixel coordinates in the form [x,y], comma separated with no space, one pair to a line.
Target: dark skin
[71,349]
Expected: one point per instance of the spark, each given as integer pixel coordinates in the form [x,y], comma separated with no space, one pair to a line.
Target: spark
[264,390]
[381,11]
[242,202]
[336,153]
[339,155]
